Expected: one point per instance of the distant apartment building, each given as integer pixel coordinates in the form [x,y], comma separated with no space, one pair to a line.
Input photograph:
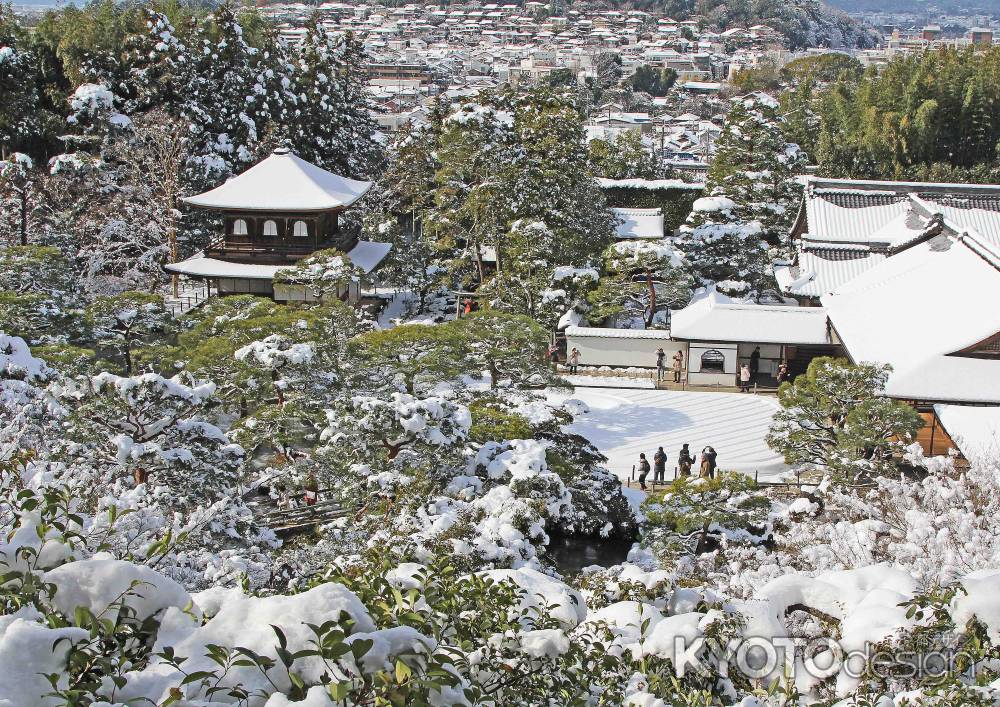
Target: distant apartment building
[397,72]
[931,33]
[981,35]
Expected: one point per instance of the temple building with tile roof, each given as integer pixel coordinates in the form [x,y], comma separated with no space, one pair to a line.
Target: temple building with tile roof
[274,214]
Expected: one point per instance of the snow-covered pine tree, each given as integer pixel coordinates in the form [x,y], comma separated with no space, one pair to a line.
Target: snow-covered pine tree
[472,189]
[836,417]
[640,281]
[153,430]
[314,97]
[156,60]
[219,92]
[37,294]
[624,157]
[551,211]
[123,324]
[722,249]
[509,347]
[19,186]
[755,166]
[550,182]
[732,237]
[94,117]
[20,114]
[362,153]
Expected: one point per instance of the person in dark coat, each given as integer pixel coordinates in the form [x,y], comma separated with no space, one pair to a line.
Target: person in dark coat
[659,465]
[754,364]
[661,364]
[685,461]
[643,470]
[708,457]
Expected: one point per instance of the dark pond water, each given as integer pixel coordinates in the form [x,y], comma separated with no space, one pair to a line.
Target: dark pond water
[571,553]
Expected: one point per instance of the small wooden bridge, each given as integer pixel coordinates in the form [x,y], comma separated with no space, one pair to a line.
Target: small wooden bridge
[295,516]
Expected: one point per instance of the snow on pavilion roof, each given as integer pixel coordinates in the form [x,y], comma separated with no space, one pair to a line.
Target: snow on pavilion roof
[916,309]
[821,271]
[975,429]
[366,255]
[710,320]
[283,182]
[873,220]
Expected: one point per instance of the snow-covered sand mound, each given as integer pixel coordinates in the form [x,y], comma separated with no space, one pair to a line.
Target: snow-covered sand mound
[624,422]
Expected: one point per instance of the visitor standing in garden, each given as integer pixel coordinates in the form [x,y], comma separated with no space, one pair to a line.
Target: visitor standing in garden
[573,360]
[708,457]
[643,470]
[659,465]
[678,365]
[661,364]
[685,461]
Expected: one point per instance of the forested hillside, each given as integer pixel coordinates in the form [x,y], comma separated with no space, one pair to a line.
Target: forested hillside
[805,23]
[917,6]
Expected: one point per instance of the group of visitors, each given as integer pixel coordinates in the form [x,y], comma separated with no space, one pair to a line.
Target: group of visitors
[685,462]
[661,364]
[747,376]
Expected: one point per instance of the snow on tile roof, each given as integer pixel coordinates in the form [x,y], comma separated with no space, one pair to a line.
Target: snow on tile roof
[917,308]
[639,223]
[975,429]
[709,320]
[889,213]
[848,218]
[200,266]
[966,213]
[283,182]
[821,271]
[368,254]
[365,255]
[648,184]
[607,333]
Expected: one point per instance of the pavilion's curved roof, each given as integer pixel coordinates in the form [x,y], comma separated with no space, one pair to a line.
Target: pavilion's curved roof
[283,182]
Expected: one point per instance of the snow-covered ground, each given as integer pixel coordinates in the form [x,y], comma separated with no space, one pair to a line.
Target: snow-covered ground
[623,422]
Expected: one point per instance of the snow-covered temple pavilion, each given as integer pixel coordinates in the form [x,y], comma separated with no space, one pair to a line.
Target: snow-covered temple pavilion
[276,213]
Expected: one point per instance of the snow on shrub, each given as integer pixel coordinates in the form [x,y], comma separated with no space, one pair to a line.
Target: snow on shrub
[707,204]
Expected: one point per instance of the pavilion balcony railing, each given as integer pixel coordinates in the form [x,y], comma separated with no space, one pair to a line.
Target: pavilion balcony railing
[279,251]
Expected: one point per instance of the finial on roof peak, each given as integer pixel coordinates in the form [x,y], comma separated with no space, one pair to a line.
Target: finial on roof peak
[283,150]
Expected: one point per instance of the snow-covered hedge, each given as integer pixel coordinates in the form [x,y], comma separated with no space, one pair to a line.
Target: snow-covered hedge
[92,629]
